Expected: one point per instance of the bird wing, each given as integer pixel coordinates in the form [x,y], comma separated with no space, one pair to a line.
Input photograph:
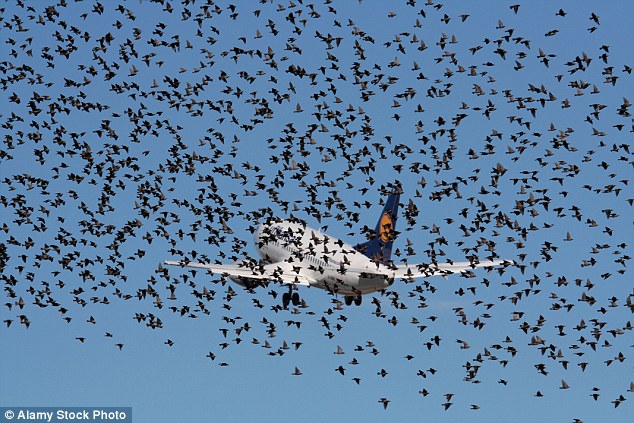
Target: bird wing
[443,269]
[280,272]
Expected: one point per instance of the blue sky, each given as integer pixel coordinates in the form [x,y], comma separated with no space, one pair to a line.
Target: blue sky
[191,106]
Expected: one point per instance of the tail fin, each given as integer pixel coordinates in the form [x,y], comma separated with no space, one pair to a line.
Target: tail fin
[379,247]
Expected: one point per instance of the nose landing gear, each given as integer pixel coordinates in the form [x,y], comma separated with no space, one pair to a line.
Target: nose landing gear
[290,297]
[356,298]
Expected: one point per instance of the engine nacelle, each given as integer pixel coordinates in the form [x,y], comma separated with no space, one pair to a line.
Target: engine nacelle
[245,281]
[248,283]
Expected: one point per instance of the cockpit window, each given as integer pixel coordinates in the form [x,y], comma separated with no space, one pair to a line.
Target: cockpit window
[284,237]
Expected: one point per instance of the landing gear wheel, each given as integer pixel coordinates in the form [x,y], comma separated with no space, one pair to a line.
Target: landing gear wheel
[357,300]
[348,300]
[286,299]
[295,299]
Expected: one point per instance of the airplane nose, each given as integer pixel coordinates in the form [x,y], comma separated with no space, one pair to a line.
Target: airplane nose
[258,234]
[262,235]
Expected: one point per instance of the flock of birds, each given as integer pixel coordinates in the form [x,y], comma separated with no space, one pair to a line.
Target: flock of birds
[249,105]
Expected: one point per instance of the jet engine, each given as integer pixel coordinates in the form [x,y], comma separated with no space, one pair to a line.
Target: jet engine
[248,283]
[244,281]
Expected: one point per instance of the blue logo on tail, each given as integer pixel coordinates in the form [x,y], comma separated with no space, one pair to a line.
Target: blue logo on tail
[379,247]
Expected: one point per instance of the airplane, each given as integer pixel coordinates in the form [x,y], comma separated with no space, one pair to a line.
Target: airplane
[295,254]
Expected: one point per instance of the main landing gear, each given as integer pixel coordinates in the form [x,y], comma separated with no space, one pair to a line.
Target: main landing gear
[290,297]
[349,299]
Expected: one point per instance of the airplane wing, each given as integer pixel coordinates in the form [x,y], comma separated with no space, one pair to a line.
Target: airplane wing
[425,270]
[280,272]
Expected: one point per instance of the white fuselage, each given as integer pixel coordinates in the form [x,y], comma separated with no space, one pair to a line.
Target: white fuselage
[334,265]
